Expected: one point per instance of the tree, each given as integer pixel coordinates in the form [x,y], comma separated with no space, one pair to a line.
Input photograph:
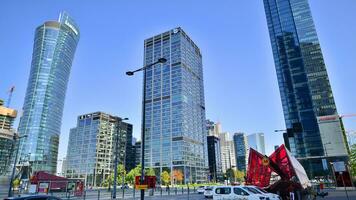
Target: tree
[178,176]
[353,160]
[230,174]
[120,173]
[165,177]
[239,175]
[130,178]
[150,172]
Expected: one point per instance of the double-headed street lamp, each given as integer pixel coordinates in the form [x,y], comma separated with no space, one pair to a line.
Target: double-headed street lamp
[131,73]
[15,138]
[116,152]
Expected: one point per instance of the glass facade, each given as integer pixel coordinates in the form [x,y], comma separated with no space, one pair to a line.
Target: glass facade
[303,80]
[53,52]
[175,135]
[91,147]
[214,158]
[257,142]
[241,150]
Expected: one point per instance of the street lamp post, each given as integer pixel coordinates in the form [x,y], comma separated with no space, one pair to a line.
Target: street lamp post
[116,151]
[15,137]
[131,73]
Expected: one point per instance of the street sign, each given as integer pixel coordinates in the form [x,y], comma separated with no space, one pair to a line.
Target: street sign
[141,187]
[339,166]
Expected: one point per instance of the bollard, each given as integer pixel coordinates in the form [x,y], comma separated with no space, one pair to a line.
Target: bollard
[134,193]
[176,191]
[188,192]
[161,191]
[98,194]
[85,193]
[182,191]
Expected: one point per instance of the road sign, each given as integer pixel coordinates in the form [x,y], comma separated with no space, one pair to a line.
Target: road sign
[141,187]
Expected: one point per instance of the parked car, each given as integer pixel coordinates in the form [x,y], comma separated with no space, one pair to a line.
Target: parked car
[271,196]
[208,193]
[201,189]
[33,197]
[235,192]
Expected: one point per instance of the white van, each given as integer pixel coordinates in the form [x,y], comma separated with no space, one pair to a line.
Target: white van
[271,196]
[235,192]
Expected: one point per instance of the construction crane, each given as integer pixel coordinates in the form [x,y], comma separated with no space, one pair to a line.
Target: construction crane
[12,89]
[348,115]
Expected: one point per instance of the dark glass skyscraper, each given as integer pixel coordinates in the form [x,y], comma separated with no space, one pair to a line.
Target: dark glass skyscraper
[175,129]
[53,52]
[315,132]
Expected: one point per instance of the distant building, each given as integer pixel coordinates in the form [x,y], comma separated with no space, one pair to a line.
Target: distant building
[257,142]
[91,147]
[228,158]
[53,53]
[276,147]
[214,158]
[7,147]
[241,150]
[213,128]
[137,150]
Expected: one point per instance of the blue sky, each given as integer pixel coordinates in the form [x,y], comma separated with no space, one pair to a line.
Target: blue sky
[241,88]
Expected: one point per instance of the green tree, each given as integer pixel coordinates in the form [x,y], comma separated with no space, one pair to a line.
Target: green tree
[230,174]
[166,178]
[16,183]
[130,178]
[239,175]
[353,160]
[120,173]
[150,172]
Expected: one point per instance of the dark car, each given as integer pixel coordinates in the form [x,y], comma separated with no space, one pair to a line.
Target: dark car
[34,197]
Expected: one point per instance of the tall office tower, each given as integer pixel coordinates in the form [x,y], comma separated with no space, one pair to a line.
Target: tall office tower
[175,128]
[257,142]
[91,147]
[315,131]
[7,147]
[228,157]
[213,128]
[241,150]
[214,158]
[53,52]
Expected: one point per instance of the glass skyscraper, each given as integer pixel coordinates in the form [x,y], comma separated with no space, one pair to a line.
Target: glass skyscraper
[175,128]
[314,130]
[53,52]
[241,150]
[257,142]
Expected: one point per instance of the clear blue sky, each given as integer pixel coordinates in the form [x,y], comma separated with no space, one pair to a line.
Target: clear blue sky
[241,88]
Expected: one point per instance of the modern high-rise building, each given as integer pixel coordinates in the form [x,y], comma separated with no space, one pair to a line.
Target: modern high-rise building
[228,157]
[7,143]
[257,142]
[91,147]
[213,128]
[175,128]
[53,52]
[137,150]
[241,150]
[314,129]
[214,158]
